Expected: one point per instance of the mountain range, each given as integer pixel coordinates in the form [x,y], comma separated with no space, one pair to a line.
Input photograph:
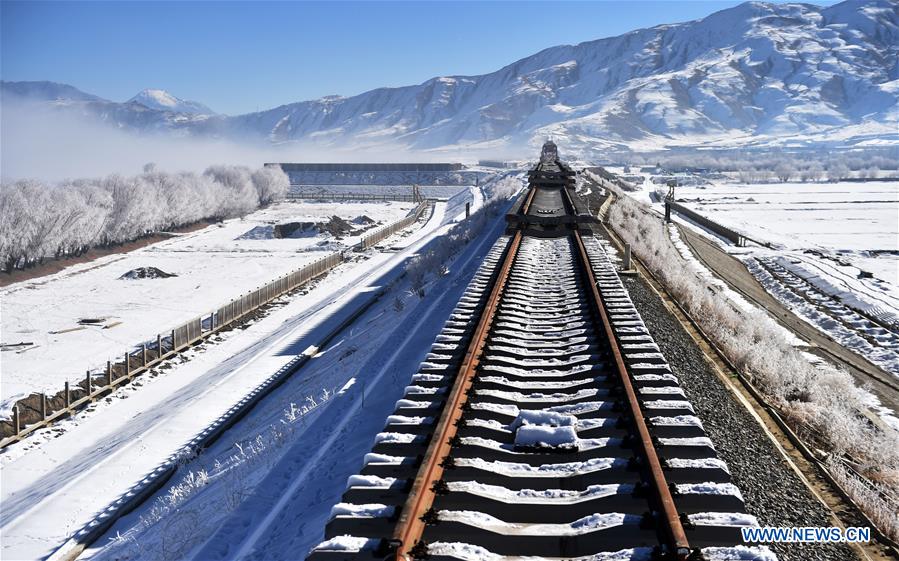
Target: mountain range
[757,74]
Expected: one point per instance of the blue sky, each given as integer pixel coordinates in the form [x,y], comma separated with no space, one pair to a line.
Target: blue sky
[238,57]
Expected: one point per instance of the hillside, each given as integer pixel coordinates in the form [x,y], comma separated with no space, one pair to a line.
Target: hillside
[755,74]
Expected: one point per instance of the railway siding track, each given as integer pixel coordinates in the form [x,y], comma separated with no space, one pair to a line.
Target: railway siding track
[879,335]
[544,422]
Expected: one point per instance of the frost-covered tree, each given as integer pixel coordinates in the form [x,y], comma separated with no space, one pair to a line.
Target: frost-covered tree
[837,171]
[271,184]
[94,220]
[814,172]
[135,208]
[784,171]
[240,196]
[15,223]
[40,220]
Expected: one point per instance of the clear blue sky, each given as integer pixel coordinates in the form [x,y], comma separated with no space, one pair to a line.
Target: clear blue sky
[238,57]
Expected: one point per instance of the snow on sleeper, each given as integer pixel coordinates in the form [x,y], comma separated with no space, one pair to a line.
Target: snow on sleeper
[543,457]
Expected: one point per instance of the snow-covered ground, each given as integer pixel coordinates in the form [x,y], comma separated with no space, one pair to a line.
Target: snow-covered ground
[879,344]
[213,265]
[856,223]
[820,237]
[852,225]
[114,446]
[266,489]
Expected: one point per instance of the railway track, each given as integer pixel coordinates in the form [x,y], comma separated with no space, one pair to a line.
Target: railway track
[544,422]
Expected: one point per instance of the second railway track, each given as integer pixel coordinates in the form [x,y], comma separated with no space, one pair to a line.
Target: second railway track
[544,423]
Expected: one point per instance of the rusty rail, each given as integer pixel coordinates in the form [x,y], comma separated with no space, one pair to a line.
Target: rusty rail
[411,523]
[675,530]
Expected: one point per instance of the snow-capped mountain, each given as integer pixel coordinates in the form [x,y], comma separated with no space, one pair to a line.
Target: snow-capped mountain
[744,74]
[132,116]
[754,74]
[162,100]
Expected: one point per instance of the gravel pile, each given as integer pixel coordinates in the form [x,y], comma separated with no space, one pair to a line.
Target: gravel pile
[146,273]
[773,492]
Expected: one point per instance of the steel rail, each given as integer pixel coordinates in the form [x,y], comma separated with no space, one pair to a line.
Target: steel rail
[411,523]
[675,529]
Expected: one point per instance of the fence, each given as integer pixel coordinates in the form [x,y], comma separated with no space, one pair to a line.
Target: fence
[385,231]
[48,410]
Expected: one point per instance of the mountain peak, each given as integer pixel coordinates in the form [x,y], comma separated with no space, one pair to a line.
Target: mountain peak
[161,100]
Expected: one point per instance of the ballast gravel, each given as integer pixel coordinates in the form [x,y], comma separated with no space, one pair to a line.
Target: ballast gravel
[773,492]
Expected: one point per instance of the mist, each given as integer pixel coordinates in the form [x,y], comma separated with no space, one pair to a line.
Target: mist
[55,143]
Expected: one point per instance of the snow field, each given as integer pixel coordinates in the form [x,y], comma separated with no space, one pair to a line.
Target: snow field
[825,235]
[213,265]
[828,232]
[833,314]
[842,217]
